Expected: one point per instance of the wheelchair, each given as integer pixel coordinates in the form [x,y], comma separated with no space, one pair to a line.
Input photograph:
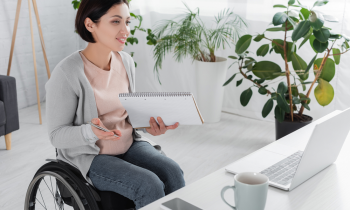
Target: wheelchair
[64,186]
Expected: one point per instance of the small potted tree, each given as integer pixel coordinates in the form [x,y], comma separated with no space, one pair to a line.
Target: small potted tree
[190,37]
[302,22]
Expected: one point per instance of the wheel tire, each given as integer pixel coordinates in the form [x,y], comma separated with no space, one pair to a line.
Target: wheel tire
[75,186]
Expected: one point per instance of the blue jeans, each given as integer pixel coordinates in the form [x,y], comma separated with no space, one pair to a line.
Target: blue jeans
[141,174]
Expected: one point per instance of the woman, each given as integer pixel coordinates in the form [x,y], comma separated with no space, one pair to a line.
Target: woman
[84,87]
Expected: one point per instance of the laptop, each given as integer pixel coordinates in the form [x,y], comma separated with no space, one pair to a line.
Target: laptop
[291,160]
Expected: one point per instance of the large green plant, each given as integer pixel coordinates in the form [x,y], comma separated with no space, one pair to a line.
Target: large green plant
[130,39]
[302,22]
[189,36]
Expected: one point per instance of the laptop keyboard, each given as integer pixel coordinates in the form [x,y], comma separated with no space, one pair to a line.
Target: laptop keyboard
[283,171]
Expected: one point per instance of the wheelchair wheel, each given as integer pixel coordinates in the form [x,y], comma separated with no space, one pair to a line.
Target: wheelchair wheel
[55,187]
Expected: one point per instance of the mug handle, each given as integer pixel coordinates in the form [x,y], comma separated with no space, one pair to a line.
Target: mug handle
[222,195]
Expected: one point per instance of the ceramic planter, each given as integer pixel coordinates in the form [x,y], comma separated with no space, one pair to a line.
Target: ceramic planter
[287,127]
[210,91]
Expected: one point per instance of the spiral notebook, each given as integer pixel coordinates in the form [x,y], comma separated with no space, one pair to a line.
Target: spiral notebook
[172,107]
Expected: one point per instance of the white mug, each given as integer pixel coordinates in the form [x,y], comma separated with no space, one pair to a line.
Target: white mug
[250,191]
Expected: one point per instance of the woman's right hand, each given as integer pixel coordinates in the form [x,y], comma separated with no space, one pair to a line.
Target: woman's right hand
[102,134]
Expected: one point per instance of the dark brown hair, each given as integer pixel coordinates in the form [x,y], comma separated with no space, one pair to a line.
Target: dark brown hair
[93,9]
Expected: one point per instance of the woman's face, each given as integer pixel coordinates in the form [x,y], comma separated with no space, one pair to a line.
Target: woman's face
[113,28]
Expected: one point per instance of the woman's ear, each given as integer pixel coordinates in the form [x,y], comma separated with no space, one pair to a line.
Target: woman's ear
[89,24]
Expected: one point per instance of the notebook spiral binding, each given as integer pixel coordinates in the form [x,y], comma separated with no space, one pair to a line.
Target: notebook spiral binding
[155,94]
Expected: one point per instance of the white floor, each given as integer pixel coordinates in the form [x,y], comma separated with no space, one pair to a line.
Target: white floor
[199,150]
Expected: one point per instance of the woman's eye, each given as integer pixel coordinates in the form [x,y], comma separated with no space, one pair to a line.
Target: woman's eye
[128,22]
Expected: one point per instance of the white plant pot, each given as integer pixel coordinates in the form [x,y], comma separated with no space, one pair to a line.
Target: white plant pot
[210,92]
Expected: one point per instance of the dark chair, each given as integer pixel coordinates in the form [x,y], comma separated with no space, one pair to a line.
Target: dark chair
[9,120]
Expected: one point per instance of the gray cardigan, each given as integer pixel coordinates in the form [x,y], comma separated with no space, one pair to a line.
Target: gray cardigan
[70,105]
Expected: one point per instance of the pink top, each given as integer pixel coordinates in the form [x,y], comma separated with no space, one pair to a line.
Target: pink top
[107,85]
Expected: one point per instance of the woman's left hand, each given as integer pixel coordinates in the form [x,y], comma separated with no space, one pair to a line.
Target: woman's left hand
[156,129]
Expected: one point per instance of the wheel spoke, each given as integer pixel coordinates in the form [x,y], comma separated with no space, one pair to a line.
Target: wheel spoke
[51,193]
[42,198]
[48,187]
[40,203]
[54,196]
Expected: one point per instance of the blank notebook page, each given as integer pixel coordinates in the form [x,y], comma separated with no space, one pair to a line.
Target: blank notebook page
[172,107]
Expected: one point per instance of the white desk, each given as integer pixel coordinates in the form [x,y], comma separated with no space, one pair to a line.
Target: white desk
[327,190]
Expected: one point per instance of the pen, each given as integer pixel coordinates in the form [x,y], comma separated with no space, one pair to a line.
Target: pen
[96,126]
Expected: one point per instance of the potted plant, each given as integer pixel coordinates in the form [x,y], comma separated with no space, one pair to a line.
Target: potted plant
[190,37]
[301,22]
[130,39]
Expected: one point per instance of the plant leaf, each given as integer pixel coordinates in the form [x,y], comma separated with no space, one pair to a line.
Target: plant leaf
[282,88]
[261,81]
[296,100]
[305,105]
[310,64]
[322,35]
[259,37]
[302,28]
[299,64]
[320,2]
[279,18]
[267,108]
[279,5]
[305,13]
[291,2]
[307,36]
[279,50]
[232,57]
[262,91]
[335,36]
[245,96]
[229,80]
[336,57]
[319,46]
[328,70]
[324,92]
[282,103]
[265,70]
[276,29]
[304,98]
[239,82]
[263,49]
[311,41]
[279,114]
[248,64]
[318,20]
[243,43]
[294,91]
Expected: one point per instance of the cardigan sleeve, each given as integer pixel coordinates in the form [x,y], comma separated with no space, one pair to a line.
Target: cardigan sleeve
[61,105]
[88,134]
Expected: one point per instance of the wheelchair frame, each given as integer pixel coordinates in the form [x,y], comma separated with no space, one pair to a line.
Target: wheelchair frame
[90,198]
[72,184]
